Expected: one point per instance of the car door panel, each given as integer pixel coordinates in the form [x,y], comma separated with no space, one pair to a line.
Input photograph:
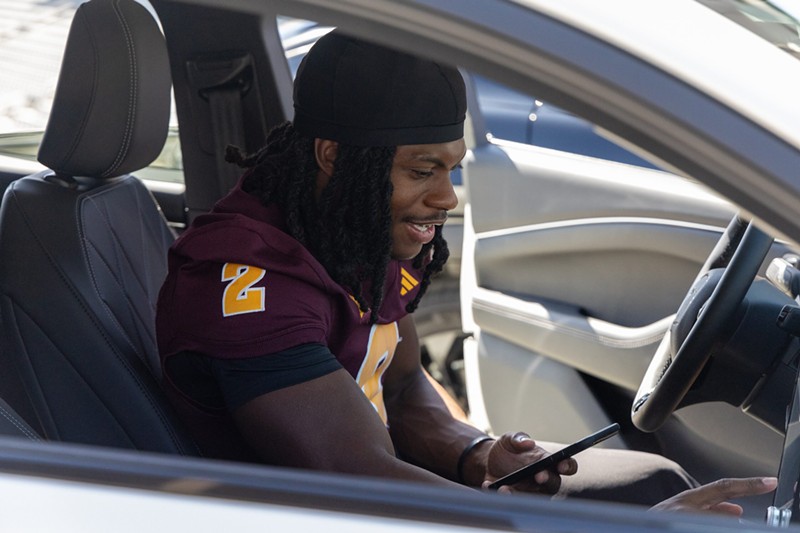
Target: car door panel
[578,274]
[623,270]
[512,185]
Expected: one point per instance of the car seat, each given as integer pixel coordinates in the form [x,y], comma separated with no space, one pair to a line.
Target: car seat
[11,424]
[83,246]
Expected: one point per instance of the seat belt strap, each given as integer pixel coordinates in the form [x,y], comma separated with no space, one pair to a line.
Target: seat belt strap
[226,121]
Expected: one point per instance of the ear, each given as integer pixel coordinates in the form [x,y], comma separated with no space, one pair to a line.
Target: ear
[325,152]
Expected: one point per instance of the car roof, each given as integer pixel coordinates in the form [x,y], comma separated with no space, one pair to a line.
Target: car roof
[695,44]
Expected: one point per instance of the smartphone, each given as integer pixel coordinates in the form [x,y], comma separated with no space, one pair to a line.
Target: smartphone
[553,459]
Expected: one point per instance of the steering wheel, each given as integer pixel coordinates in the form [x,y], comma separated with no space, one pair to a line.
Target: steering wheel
[709,305]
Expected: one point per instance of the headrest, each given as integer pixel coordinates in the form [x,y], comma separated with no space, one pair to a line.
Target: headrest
[111,108]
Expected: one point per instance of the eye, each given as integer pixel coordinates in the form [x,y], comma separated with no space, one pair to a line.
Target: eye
[426,173]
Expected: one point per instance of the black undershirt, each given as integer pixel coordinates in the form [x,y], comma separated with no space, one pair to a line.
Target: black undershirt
[230,383]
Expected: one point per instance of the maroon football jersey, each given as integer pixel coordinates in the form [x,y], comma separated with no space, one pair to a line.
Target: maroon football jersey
[239,286]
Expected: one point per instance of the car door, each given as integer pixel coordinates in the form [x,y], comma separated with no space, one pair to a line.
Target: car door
[572,270]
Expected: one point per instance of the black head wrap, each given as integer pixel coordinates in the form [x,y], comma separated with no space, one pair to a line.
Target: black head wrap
[363,94]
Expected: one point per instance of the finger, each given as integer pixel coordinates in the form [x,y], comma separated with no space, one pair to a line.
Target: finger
[541,477]
[503,489]
[727,508]
[543,482]
[521,442]
[512,451]
[567,467]
[712,497]
[706,496]
[551,485]
[724,489]
[546,481]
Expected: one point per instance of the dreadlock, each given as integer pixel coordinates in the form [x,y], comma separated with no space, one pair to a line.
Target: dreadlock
[348,229]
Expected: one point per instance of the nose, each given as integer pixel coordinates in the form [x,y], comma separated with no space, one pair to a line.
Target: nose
[443,195]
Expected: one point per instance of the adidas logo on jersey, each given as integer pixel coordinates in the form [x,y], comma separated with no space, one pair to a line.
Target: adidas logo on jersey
[407,282]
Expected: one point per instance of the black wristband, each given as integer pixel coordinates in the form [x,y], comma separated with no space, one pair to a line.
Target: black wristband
[463,458]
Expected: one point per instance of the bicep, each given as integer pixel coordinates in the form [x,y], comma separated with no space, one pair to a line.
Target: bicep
[295,408]
[326,423]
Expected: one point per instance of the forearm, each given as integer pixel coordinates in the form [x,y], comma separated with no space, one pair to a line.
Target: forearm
[426,433]
[393,467]
[361,457]
[326,424]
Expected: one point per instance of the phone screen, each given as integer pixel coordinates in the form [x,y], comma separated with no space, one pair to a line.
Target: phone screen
[553,459]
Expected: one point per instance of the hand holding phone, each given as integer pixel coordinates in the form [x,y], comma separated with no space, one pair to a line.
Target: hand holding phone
[553,459]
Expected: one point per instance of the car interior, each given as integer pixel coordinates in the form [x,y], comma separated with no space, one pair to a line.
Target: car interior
[563,302]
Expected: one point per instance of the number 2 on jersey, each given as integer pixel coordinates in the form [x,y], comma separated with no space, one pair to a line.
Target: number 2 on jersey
[240,296]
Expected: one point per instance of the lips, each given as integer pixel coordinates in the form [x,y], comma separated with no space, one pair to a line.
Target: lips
[412,233]
[422,232]
[423,228]
[425,222]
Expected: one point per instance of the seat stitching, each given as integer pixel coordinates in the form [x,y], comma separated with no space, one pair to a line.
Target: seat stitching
[136,381]
[117,247]
[134,84]
[128,299]
[76,140]
[79,375]
[19,425]
[144,330]
[35,382]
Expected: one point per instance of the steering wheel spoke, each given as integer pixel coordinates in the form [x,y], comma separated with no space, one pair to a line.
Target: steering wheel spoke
[707,308]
